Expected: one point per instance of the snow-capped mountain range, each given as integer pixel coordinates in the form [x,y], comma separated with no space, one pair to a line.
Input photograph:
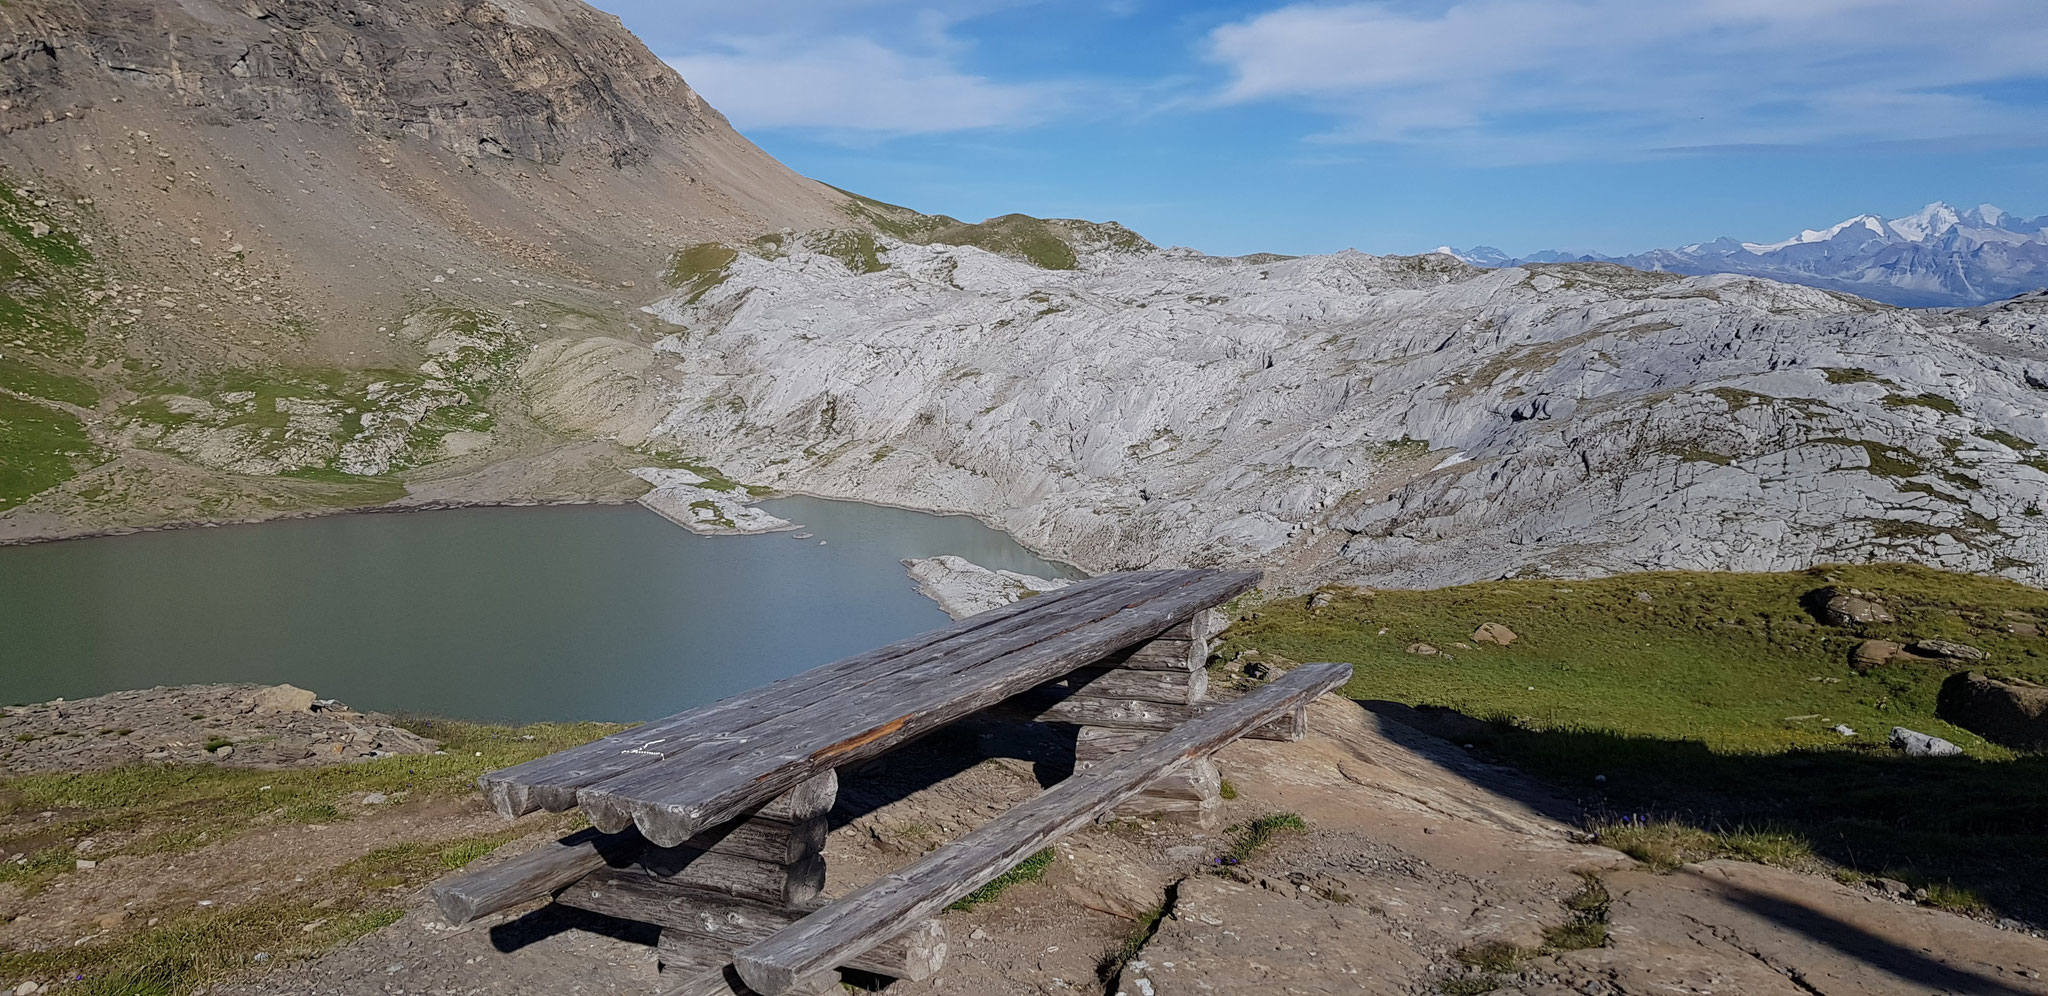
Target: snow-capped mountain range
[1935,257]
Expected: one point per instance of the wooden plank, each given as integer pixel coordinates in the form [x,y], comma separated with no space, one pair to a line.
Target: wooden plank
[1182,687]
[856,921]
[722,923]
[1095,743]
[810,800]
[534,875]
[765,881]
[1196,781]
[1162,654]
[1046,706]
[764,839]
[673,799]
[552,782]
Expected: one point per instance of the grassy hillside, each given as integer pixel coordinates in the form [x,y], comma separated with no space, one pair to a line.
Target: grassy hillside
[1692,715]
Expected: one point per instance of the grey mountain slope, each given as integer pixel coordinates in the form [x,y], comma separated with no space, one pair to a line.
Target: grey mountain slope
[1401,421]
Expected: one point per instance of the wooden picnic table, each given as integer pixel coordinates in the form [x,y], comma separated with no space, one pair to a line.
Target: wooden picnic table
[711,823]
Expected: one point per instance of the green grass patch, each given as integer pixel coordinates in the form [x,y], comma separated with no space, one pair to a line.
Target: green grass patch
[1586,926]
[1932,402]
[183,953]
[699,268]
[856,250]
[1030,869]
[1853,375]
[403,864]
[1228,791]
[40,448]
[1700,723]
[1015,235]
[174,808]
[38,382]
[1251,836]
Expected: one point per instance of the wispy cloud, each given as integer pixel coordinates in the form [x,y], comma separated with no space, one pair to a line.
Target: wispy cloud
[852,84]
[1526,80]
[858,69]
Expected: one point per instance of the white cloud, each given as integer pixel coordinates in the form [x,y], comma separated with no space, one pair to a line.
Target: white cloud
[1544,79]
[852,84]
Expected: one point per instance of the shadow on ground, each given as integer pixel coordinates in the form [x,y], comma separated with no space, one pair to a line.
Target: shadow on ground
[1973,833]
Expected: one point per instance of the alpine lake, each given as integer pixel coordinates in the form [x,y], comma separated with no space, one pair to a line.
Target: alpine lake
[560,613]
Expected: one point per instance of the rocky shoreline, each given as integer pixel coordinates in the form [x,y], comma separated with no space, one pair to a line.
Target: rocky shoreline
[231,725]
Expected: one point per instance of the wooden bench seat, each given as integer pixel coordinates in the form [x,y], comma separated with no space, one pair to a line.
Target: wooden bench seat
[793,958]
[677,777]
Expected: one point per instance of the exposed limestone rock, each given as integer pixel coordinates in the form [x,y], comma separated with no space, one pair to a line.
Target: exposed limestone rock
[2006,711]
[1949,650]
[1401,420]
[1921,745]
[963,588]
[1850,608]
[679,497]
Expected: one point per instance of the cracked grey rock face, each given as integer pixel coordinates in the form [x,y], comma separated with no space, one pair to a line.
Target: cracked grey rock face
[1387,420]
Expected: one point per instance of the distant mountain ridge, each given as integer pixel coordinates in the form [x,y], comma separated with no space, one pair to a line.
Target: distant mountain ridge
[1935,257]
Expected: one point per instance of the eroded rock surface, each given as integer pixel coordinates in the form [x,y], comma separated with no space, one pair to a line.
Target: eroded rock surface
[1408,421]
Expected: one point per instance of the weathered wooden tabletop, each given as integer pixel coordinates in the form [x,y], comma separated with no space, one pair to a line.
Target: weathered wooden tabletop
[678,776]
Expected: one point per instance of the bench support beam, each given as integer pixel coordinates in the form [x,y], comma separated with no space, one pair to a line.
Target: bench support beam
[859,920]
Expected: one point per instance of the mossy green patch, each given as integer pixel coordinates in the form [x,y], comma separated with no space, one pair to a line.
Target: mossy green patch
[856,250]
[40,448]
[1931,402]
[1017,235]
[1853,375]
[1030,869]
[1252,836]
[38,381]
[699,268]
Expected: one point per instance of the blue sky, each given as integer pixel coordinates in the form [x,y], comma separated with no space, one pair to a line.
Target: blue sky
[1389,125]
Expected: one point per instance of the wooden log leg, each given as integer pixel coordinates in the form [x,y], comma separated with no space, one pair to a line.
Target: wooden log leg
[1192,794]
[1151,685]
[773,858]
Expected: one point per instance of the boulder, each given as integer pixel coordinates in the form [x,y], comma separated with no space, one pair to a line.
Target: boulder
[1871,653]
[2004,711]
[1494,633]
[1848,607]
[282,698]
[1949,650]
[1320,601]
[1423,650]
[1922,745]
